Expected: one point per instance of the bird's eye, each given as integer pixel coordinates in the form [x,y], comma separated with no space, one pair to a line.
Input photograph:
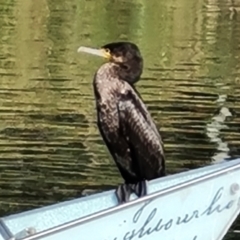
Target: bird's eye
[107,50]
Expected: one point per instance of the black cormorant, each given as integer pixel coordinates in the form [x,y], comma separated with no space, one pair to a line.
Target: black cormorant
[125,124]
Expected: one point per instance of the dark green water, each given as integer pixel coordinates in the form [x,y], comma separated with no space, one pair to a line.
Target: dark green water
[50,148]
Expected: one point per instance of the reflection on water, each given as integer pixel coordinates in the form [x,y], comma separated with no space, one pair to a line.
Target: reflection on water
[50,148]
[214,128]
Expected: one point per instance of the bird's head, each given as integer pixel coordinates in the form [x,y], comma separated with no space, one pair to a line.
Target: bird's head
[125,55]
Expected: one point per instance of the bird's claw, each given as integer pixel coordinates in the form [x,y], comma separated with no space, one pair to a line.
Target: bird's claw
[124,191]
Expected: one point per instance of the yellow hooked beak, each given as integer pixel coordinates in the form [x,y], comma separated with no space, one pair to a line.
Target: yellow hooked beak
[102,52]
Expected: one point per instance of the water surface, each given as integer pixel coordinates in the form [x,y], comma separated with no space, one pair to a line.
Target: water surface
[50,147]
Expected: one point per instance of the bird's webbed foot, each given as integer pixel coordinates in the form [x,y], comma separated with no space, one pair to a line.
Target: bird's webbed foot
[139,188]
[124,191]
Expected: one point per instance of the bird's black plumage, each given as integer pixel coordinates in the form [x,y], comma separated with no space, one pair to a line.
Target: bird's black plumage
[125,124]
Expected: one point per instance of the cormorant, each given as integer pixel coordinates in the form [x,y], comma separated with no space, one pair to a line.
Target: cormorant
[125,124]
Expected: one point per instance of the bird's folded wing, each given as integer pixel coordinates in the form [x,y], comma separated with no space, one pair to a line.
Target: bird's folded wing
[140,132]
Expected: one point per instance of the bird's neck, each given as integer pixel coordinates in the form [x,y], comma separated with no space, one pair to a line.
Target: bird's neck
[106,82]
[107,70]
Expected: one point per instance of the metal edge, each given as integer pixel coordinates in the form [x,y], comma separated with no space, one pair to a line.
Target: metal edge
[4,231]
[224,232]
[132,203]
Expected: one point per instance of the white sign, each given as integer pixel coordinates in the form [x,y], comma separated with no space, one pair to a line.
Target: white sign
[201,210]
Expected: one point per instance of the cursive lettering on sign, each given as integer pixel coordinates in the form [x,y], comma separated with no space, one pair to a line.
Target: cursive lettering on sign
[154,223]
